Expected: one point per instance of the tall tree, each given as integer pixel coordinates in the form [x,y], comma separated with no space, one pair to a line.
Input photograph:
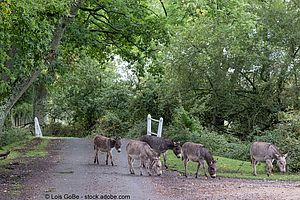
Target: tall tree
[23,13]
[235,59]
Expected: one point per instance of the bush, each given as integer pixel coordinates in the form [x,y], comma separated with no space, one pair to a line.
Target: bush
[139,129]
[221,145]
[60,130]
[185,128]
[13,135]
[110,125]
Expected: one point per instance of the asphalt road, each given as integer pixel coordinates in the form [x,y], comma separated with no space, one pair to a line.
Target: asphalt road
[77,177]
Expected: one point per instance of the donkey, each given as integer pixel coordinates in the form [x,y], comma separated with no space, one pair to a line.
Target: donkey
[138,150]
[263,151]
[198,153]
[105,144]
[161,145]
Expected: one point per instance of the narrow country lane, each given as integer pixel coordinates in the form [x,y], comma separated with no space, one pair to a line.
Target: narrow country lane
[77,177]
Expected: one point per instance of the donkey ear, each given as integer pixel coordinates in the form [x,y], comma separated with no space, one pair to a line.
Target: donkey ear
[285,155]
[277,156]
[177,143]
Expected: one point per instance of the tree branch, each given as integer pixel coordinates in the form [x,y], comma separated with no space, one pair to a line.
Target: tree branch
[162,4]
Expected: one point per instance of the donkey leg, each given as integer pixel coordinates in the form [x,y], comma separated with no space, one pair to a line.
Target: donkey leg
[185,166]
[204,168]
[269,167]
[254,163]
[142,166]
[95,160]
[130,161]
[111,159]
[198,166]
[106,162]
[96,157]
[165,160]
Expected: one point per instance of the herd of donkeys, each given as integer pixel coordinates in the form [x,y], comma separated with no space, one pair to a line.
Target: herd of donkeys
[149,148]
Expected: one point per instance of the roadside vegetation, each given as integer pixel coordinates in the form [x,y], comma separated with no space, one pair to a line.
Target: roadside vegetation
[24,147]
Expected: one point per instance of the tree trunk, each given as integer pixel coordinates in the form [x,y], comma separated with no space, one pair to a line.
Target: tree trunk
[40,97]
[24,83]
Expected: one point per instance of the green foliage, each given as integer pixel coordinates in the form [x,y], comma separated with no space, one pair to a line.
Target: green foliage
[230,63]
[25,33]
[110,125]
[57,129]
[186,128]
[138,129]
[13,135]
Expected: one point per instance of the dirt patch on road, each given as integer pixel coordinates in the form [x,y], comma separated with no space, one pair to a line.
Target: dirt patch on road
[15,175]
[173,185]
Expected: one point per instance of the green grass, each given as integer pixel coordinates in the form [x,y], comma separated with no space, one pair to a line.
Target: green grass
[39,150]
[230,168]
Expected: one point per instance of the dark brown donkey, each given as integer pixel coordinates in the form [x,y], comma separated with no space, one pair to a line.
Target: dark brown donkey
[198,153]
[105,144]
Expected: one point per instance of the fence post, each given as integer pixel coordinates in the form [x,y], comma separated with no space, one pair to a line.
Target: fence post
[160,124]
[149,124]
[37,128]
[159,130]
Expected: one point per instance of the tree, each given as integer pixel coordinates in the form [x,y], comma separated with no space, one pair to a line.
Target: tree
[233,60]
[128,28]
[43,54]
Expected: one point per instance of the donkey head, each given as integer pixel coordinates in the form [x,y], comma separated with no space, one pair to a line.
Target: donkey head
[281,162]
[212,169]
[156,166]
[177,149]
[116,142]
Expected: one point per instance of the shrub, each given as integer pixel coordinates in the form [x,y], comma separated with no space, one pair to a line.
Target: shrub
[60,130]
[110,125]
[13,135]
[138,129]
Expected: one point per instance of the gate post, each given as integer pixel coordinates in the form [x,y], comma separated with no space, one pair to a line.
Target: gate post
[160,123]
[37,128]
[159,130]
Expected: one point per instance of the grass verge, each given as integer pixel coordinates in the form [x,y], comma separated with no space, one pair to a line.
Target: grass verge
[230,168]
[33,147]
[11,167]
